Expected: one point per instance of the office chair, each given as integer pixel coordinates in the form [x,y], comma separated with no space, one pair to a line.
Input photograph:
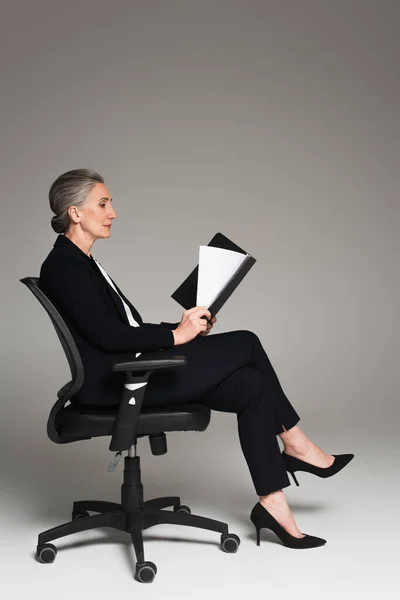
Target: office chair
[124,423]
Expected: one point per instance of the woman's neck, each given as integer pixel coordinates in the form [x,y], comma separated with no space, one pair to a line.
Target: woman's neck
[81,241]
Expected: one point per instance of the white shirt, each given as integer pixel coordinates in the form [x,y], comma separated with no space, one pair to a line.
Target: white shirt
[128,311]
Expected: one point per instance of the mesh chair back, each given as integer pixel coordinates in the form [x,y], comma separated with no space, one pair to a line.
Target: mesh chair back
[71,352]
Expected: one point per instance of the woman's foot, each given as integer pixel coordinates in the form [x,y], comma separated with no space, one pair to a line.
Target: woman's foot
[276,504]
[297,444]
[262,518]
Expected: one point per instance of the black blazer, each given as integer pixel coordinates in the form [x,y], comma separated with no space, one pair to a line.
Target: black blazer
[97,320]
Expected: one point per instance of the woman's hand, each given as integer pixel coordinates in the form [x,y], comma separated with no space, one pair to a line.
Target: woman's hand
[210,325]
[191,325]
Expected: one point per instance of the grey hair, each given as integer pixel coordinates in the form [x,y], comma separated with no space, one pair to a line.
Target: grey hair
[70,189]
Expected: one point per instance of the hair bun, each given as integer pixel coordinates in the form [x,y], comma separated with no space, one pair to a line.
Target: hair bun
[56,223]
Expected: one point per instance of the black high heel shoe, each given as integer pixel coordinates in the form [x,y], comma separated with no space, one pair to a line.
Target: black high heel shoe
[293,464]
[261,518]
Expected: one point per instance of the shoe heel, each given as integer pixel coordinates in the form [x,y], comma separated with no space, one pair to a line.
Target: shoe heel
[258,531]
[294,478]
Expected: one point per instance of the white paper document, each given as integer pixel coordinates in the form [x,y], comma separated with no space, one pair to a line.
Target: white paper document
[217,266]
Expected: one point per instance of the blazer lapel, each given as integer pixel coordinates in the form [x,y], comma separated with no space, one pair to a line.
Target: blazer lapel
[113,295]
[134,312]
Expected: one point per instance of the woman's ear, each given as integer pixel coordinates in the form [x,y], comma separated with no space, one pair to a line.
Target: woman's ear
[74,214]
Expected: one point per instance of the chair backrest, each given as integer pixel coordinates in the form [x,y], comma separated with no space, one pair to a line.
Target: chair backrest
[71,351]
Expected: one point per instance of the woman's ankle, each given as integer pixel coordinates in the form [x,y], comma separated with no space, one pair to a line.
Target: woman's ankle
[295,441]
[273,498]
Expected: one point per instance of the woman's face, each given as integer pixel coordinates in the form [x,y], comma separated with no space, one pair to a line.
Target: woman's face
[97,213]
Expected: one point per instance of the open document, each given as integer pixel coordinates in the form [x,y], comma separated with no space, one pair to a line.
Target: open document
[222,266]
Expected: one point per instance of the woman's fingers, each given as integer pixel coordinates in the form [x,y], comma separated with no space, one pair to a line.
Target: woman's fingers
[195,309]
[208,329]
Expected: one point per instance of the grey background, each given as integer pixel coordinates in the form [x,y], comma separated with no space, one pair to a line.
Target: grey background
[275,122]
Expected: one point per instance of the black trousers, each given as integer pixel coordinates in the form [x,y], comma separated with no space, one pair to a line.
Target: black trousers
[230,372]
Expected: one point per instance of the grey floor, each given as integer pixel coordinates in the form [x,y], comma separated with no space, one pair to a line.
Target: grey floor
[356,511]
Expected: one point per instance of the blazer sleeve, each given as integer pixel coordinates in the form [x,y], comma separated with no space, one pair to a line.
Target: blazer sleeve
[75,293]
[162,324]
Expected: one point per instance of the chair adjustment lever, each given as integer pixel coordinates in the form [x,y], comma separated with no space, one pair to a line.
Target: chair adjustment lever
[114,461]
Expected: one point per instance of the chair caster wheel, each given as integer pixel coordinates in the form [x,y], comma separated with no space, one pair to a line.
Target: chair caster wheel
[182,508]
[46,553]
[230,542]
[145,572]
[79,514]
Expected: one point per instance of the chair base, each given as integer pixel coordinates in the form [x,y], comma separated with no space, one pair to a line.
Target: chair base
[132,516]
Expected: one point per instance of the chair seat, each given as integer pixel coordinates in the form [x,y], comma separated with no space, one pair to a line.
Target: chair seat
[76,422]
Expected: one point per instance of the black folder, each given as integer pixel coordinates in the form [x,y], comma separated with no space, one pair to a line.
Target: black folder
[186,293]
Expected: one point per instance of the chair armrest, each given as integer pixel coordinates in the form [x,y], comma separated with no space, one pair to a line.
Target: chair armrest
[138,372]
[150,363]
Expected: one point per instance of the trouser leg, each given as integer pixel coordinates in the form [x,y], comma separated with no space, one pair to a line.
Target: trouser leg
[210,360]
[232,373]
[245,392]
[285,415]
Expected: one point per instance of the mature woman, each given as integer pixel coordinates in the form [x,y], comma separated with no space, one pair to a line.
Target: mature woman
[229,372]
